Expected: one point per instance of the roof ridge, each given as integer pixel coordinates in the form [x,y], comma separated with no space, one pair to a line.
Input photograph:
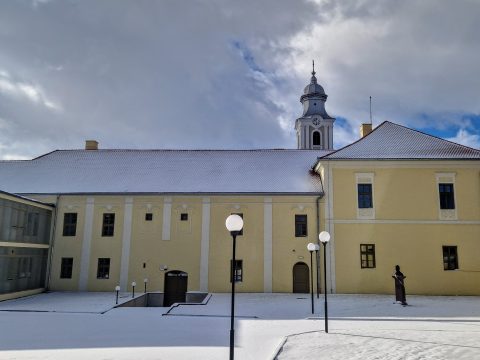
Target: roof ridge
[359,150]
[435,137]
[356,141]
[182,150]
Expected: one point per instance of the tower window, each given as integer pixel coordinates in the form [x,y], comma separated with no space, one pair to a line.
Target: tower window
[316,138]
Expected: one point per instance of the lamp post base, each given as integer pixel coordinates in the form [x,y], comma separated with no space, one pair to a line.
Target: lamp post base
[232,346]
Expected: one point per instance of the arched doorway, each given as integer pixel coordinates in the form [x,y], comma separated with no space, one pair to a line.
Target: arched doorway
[175,288]
[301,278]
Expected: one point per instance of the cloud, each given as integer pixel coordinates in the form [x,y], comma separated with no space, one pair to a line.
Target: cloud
[228,74]
[413,58]
[25,91]
[466,138]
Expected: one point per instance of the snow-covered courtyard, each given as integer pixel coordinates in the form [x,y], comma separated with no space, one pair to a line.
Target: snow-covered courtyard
[85,326]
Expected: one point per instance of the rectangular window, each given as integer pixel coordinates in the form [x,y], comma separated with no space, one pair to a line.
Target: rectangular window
[66,268]
[32,224]
[367,256]
[300,225]
[238,271]
[450,259]
[69,224]
[25,266]
[108,224]
[184,216]
[103,270]
[241,215]
[148,217]
[365,200]
[447,200]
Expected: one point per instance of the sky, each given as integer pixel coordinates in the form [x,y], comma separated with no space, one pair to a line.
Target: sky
[217,74]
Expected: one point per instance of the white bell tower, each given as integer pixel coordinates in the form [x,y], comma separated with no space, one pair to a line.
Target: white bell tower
[315,127]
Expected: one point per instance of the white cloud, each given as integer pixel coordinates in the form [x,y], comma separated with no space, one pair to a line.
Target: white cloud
[413,58]
[466,138]
[228,75]
[30,92]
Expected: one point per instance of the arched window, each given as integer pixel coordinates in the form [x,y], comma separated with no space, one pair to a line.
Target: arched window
[316,138]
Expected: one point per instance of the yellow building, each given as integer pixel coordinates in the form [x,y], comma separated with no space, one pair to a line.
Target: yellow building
[399,196]
[396,196]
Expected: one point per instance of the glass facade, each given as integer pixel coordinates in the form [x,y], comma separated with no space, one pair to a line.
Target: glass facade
[22,223]
[23,267]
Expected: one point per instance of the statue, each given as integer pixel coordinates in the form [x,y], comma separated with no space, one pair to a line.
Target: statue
[399,286]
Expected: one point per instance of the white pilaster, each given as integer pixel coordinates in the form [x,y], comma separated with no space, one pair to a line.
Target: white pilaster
[167,216]
[267,245]
[331,229]
[126,239]
[205,244]
[86,244]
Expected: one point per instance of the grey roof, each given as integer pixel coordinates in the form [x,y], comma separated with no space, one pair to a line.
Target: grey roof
[314,87]
[27,199]
[391,141]
[164,171]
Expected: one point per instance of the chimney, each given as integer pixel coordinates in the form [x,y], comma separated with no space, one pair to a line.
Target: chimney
[365,129]
[91,145]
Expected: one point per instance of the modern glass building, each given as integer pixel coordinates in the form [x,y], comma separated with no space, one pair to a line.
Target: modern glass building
[25,228]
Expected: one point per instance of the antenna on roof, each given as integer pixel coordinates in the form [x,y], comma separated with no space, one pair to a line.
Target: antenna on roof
[371,123]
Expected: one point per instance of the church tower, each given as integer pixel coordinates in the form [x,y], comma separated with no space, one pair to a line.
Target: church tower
[315,127]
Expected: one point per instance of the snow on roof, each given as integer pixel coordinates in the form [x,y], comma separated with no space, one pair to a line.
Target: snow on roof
[393,141]
[164,171]
[26,198]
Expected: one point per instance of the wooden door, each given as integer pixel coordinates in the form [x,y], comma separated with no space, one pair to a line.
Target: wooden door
[301,278]
[175,287]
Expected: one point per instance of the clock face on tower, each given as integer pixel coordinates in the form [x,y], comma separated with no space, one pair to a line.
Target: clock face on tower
[316,121]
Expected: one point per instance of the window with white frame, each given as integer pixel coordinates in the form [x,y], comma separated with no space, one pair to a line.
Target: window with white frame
[447,206]
[364,185]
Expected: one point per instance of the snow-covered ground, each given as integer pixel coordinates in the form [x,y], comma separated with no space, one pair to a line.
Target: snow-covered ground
[72,326]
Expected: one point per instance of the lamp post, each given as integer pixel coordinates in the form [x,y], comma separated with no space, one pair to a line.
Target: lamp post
[324,238]
[311,247]
[145,281]
[133,289]
[117,289]
[234,224]
[317,248]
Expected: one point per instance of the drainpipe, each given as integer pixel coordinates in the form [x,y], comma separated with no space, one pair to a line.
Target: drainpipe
[52,240]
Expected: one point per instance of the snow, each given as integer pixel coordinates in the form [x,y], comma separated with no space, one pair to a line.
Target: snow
[164,171]
[393,141]
[361,327]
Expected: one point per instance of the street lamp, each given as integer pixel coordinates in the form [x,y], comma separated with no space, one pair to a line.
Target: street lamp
[317,248]
[234,224]
[311,247]
[145,281]
[324,238]
[117,289]
[133,289]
